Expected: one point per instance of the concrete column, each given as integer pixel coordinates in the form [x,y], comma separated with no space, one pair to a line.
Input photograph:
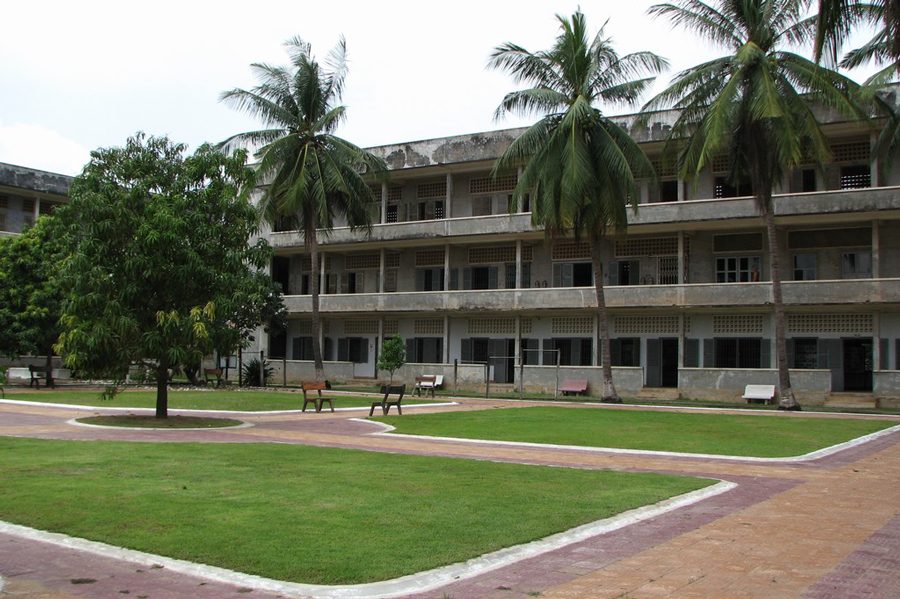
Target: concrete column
[381,261]
[322,278]
[681,340]
[681,194]
[518,264]
[876,342]
[595,359]
[876,170]
[644,192]
[447,267]
[517,352]
[37,208]
[876,249]
[681,265]
[448,206]
[521,206]
[384,202]
[446,339]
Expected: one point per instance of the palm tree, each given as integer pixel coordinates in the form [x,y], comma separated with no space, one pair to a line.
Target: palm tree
[837,20]
[315,176]
[580,166]
[756,105]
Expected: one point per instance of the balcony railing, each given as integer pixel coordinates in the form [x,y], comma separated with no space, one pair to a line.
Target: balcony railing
[703,295]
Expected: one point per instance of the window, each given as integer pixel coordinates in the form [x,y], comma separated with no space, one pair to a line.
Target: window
[481,206]
[737,269]
[856,265]
[425,350]
[806,353]
[625,272]
[668,191]
[429,279]
[808,180]
[856,176]
[724,189]
[510,275]
[738,353]
[431,210]
[353,349]
[572,352]
[625,351]
[302,348]
[573,274]
[805,267]
[392,213]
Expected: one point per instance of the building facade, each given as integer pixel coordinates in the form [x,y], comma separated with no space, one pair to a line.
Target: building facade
[27,194]
[480,294]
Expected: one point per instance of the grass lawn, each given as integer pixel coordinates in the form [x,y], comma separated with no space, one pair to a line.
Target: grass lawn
[305,514]
[721,434]
[247,401]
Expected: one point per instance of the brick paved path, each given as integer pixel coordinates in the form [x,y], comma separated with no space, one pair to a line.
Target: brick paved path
[827,529]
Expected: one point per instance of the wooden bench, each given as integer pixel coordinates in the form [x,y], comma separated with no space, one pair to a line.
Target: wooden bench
[425,383]
[317,400]
[387,402]
[215,374]
[37,372]
[759,393]
[574,387]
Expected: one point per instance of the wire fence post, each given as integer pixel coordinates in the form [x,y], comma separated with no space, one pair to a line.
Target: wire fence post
[262,368]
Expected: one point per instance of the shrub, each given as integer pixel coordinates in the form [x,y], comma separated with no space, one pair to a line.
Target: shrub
[251,373]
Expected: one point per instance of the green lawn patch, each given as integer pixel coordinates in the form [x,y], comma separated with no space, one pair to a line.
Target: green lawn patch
[242,401]
[305,514]
[134,421]
[720,434]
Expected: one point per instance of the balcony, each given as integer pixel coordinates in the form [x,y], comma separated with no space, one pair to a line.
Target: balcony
[707,295]
[866,203]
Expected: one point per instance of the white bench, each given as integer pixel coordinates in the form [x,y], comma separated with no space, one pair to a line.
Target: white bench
[428,385]
[759,393]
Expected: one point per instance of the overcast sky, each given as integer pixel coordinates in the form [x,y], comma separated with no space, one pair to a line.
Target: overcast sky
[80,75]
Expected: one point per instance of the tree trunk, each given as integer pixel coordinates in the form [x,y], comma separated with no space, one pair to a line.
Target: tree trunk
[162,389]
[49,353]
[313,243]
[609,389]
[787,401]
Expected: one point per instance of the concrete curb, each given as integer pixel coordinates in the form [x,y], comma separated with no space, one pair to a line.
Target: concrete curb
[423,581]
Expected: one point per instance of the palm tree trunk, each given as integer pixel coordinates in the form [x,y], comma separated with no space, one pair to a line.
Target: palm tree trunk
[787,400]
[609,389]
[313,243]
[162,389]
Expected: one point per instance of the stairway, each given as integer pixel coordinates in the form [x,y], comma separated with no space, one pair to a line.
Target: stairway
[851,400]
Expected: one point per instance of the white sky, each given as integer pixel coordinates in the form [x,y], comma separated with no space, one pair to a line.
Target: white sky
[80,75]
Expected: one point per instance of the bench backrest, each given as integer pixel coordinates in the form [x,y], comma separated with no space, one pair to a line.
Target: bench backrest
[428,378]
[42,369]
[212,371]
[574,385]
[767,391]
[317,386]
[397,390]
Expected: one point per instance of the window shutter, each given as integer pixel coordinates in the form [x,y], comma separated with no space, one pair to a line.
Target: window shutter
[654,372]
[885,348]
[363,356]
[454,279]
[326,356]
[467,278]
[822,348]
[295,348]
[613,273]
[439,355]
[709,353]
[897,354]
[420,280]
[345,281]
[557,275]
[343,349]
[567,276]
[549,356]
[466,350]
[493,277]
[390,281]
[576,351]
[360,282]
[526,275]
[691,353]
[791,358]
[411,351]
[615,352]
[502,204]
[765,353]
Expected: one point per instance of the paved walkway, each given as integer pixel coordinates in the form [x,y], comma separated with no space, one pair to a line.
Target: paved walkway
[825,529]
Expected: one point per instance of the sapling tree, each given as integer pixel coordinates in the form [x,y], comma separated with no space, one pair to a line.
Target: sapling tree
[393,355]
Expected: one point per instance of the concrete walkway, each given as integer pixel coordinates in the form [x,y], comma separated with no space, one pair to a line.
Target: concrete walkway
[821,529]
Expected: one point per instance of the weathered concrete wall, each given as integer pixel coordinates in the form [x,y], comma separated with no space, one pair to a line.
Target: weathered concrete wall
[628,380]
[727,384]
[887,388]
[304,370]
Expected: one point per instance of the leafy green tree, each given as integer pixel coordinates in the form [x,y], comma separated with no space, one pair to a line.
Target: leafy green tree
[755,104]
[162,267]
[579,166]
[393,355]
[30,298]
[313,177]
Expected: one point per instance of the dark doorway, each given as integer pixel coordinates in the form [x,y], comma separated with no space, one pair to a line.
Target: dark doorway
[858,364]
[662,362]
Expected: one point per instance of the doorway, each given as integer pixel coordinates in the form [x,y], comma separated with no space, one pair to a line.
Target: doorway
[662,362]
[858,364]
